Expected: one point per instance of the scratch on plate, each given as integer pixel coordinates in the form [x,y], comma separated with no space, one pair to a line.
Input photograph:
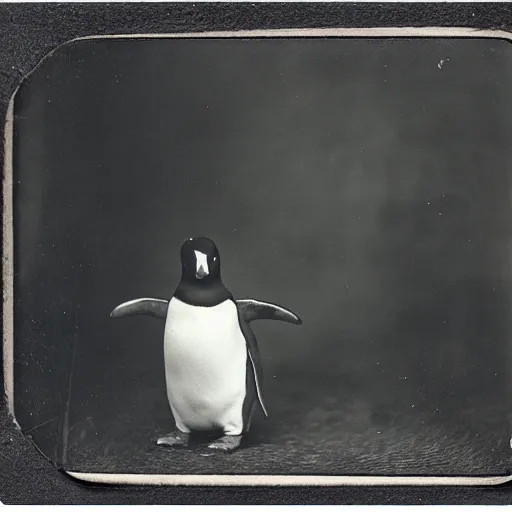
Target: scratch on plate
[41,424]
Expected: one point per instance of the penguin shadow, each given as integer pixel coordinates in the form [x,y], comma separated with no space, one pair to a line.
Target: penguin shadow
[199,441]
[259,436]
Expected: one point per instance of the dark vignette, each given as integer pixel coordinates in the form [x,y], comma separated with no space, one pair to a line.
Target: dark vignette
[28,32]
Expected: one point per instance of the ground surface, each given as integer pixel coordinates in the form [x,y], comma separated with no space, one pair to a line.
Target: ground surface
[293,440]
[310,432]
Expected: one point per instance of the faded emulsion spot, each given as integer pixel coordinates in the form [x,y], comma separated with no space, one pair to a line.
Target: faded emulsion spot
[441,63]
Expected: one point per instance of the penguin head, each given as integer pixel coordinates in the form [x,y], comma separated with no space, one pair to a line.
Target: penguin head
[200,260]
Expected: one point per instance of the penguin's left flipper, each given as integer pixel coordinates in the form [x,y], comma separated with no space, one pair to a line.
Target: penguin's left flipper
[251,309]
[152,307]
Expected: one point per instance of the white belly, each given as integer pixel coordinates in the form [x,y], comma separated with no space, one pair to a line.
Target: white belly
[205,366]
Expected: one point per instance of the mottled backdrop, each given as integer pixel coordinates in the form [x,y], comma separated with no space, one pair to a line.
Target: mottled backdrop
[365,184]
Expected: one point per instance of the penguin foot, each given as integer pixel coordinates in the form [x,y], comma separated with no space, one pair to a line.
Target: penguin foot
[226,443]
[176,439]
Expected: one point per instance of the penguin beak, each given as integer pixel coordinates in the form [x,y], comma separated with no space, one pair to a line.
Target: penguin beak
[201,265]
[201,272]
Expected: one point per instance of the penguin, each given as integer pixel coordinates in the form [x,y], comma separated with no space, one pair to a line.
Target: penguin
[213,369]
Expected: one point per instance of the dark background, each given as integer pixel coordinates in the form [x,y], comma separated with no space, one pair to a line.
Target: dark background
[32,30]
[362,183]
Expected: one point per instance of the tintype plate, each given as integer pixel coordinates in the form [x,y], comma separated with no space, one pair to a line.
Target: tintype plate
[359,180]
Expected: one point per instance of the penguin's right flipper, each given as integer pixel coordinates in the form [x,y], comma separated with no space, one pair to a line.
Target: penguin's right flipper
[251,309]
[151,307]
